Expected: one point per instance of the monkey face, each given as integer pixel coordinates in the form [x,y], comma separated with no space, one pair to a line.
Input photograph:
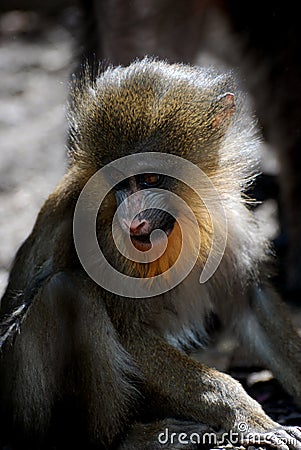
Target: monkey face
[137,220]
[135,111]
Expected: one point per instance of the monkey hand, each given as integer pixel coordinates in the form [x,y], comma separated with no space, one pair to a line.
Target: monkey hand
[281,437]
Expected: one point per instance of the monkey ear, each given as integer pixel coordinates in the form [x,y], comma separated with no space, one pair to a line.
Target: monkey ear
[224,107]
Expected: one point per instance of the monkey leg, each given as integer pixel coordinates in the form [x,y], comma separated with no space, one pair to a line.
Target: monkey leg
[66,348]
[168,434]
[267,328]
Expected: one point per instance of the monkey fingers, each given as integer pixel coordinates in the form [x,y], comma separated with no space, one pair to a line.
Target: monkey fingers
[284,438]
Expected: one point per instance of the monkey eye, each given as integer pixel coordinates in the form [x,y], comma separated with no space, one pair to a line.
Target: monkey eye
[150,179]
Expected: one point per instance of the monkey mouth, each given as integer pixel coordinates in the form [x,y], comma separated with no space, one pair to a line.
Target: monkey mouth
[142,242]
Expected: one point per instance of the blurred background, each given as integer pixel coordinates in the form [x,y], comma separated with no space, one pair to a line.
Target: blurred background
[36,53]
[43,43]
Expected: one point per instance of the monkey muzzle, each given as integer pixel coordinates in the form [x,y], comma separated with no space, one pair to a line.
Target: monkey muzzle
[145,223]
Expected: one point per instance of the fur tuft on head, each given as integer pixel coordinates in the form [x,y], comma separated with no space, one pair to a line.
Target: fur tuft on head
[196,113]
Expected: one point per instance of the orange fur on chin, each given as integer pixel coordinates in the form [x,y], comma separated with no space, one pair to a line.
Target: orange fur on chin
[175,250]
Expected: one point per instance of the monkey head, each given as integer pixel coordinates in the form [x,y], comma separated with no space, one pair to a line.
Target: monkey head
[154,107]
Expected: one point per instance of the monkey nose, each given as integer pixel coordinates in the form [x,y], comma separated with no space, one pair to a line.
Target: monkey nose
[137,226]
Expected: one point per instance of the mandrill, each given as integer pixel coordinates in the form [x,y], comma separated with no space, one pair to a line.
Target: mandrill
[146,239]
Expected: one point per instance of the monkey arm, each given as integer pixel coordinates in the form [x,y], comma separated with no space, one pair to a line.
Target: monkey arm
[48,249]
[268,329]
[16,305]
[197,392]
